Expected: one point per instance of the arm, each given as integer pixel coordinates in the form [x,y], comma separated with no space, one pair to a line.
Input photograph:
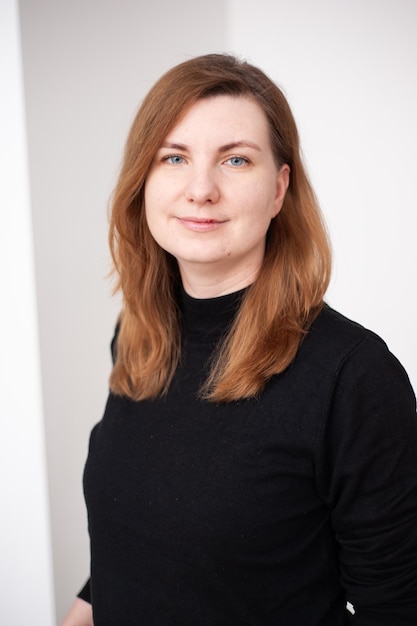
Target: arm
[368,469]
[80,614]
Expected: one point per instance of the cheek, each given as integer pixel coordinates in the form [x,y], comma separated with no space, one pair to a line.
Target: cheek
[153,203]
[259,206]
[159,227]
[152,191]
[151,213]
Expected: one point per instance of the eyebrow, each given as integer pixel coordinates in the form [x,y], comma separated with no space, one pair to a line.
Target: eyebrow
[228,146]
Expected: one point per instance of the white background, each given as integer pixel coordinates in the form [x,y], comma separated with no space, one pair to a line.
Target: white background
[348,69]
[25,549]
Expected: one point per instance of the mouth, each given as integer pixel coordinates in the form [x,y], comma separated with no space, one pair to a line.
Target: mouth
[200,220]
[200,224]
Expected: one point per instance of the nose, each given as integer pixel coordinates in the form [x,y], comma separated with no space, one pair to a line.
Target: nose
[202,187]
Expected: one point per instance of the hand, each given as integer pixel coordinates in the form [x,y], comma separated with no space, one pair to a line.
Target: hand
[80,614]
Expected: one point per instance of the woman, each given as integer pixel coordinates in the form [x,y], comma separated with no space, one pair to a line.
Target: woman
[256,460]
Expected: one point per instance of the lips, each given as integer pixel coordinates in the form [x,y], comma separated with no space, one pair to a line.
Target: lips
[200,220]
[200,224]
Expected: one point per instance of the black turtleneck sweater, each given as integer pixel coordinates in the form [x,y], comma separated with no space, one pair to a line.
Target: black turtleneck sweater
[272,511]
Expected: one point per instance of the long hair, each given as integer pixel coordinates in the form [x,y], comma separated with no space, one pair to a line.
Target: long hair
[288,292]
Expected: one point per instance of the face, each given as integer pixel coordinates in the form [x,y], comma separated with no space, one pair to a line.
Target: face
[213,190]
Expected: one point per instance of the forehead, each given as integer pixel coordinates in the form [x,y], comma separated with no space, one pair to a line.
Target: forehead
[222,116]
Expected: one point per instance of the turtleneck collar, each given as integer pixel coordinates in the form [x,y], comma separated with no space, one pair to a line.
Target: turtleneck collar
[207,319]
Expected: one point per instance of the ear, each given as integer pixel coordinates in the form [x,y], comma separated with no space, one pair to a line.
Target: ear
[282,182]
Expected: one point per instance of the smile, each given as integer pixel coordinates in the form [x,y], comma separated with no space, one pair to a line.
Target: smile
[200,224]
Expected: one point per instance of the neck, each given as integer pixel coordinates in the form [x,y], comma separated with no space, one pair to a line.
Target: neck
[202,283]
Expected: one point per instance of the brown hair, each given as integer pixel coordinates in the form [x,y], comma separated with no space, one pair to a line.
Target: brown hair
[287,294]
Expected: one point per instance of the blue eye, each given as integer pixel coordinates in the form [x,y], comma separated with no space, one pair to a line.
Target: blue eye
[174,159]
[237,161]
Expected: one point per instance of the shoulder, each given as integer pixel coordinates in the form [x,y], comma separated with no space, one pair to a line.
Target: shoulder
[344,332]
[336,347]
[332,337]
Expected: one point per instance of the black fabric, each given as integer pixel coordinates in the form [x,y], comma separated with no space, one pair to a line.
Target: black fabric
[269,511]
[85,592]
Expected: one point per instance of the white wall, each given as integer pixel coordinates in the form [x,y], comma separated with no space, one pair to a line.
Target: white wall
[26,589]
[348,69]
[87,65]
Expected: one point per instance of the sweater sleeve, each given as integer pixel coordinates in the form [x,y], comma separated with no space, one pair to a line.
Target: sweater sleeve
[368,477]
[85,593]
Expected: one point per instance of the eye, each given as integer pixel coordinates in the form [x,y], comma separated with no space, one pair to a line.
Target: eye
[174,159]
[237,161]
